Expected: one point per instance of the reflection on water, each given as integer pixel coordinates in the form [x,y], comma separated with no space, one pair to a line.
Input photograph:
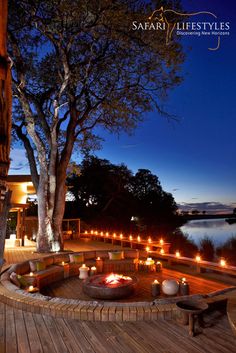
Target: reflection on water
[216,229]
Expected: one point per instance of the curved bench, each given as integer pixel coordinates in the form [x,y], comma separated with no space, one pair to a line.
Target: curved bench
[78,309]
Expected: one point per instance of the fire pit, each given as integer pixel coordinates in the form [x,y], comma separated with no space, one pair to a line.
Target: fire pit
[112,286]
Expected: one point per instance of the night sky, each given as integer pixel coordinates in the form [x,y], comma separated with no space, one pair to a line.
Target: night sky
[193,157]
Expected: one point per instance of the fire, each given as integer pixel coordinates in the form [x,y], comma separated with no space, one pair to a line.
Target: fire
[115,279]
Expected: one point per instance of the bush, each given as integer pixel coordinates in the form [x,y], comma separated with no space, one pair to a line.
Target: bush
[207,249]
[228,250]
[182,242]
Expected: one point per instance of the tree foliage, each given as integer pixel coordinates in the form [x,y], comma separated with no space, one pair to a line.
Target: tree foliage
[109,195]
[77,65]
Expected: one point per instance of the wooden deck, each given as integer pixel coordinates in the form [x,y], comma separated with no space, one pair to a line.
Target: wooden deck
[24,332]
[72,287]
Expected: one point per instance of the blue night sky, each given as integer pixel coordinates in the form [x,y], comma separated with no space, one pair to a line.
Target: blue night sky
[194,158]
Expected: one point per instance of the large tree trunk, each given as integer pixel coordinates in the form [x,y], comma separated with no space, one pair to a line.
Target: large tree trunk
[51,206]
[5,125]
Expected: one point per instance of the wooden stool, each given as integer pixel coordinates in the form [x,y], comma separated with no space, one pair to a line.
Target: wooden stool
[193,309]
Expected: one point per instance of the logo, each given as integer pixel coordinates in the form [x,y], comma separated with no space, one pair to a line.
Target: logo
[181,24]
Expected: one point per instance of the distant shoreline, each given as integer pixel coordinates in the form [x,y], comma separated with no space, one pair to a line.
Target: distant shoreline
[207,216]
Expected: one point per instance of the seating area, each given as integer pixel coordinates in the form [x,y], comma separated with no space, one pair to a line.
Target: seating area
[43,272]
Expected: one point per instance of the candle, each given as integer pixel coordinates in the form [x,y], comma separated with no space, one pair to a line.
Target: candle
[222,263]
[158,266]
[31,288]
[147,248]
[183,287]
[130,238]
[149,240]
[155,288]
[63,263]
[177,254]
[121,236]
[31,274]
[139,239]
[84,266]
[198,258]
[162,251]
[93,271]
[161,241]
[99,265]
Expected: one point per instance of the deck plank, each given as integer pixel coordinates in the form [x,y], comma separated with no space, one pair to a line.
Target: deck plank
[11,342]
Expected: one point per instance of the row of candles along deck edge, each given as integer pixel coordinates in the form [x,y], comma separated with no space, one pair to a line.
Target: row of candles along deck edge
[183,287]
[161,241]
[121,236]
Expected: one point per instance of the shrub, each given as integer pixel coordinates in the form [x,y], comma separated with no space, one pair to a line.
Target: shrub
[182,242]
[207,249]
[228,250]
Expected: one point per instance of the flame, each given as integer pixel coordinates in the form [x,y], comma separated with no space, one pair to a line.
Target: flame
[114,278]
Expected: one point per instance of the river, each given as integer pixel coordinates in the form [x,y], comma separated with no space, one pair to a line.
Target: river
[216,229]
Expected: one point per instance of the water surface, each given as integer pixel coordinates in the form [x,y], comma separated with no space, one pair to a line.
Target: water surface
[216,229]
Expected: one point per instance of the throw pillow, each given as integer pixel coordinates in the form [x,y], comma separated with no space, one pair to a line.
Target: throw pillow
[40,266]
[14,279]
[76,258]
[117,255]
[23,282]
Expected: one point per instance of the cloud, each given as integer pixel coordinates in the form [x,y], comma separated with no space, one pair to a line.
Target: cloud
[209,207]
[130,146]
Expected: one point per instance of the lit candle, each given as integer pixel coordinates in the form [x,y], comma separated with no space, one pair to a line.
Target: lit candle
[162,251]
[147,248]
[114,235]
[177,254]
[222,263]
[107,234]
[31,274]
[91,231]
[130,238]
[121,236]
[183,287]
[84,266]
[93,271]
[149,240]
[161,241]
[155,288]
[31,288]
[198,258]
[96,232]
[99,265]
[139,239]
[63,263]
[158,266]
[101,233]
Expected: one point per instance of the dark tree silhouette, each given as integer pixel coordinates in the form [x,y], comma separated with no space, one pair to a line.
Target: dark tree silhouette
[78,65]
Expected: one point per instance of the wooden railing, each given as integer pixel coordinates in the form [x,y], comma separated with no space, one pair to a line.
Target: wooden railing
[130,241]
[160,250]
